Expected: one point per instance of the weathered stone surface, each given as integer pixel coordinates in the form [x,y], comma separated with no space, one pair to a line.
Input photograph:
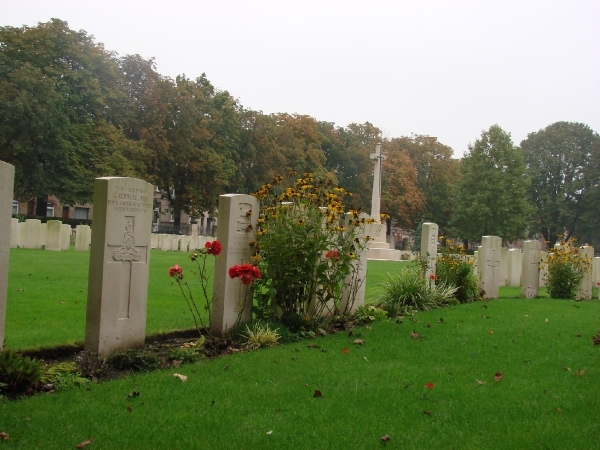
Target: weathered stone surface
[184,243]
[489,265]
[119,258]
[65,240]
[31,233]
[53,235]
[7,181]
[513,269]
[503,266]
[154,240]
[232,299]
[530,269]
[429,240]
[166,243]
[14,233]
[83,237]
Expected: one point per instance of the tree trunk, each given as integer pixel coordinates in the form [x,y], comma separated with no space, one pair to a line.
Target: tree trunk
[41,206]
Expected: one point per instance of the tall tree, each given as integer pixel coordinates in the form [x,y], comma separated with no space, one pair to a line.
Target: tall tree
[490,196]
[58,89]
[401,198]
[562,162]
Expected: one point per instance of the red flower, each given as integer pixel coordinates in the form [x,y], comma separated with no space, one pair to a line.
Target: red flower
[247,273]
[213,248]
[176,272]
[433,277]
[334,255]
[429,386]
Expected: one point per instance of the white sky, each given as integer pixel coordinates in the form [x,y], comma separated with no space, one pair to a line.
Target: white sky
[442,68]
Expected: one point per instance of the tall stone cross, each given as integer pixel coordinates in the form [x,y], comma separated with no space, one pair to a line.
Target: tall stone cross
[376,199]
[124,255]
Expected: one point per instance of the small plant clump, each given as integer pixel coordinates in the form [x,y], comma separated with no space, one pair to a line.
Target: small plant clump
[260,335]
[18,373]
[566,267]
[369,313]
[63,376]
[454,267]
[134,360]
[409,292]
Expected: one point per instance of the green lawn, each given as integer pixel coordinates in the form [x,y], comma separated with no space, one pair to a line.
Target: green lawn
[547,398]
[47,294]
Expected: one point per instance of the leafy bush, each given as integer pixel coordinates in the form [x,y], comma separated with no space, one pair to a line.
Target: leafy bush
[134,360]
[18,372]
[369,313]
[260,336]
[306,252]
[409,291]
[567,267]
[454,267]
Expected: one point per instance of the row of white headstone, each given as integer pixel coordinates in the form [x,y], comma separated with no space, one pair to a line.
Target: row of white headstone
[52,235]
[495,266]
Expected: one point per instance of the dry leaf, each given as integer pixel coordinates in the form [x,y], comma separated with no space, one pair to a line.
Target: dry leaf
[359,341]
[429,386]
[490,332]
[479,382]
[84,443]
[317,394]
[546,319]
[441,320]
[181,377]
[498,376]
[566,368]
[367,327]
[129,409]
[270,432]
[134,394]
[426,412]
[428,325]
[581,372]
[345,350]
[4,436]
[313,346]
[177,362]
[415,334]
[558,410]
[596,338]
[385,438]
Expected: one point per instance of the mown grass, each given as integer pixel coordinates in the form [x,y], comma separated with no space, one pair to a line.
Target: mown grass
[547,399]
[47,295]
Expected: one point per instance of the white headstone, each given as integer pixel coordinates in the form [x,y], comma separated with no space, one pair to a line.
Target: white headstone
[489,265]
[585,288]
[184,243]
[14,233]
[175,242]
[154,240]
[167,243]
[54,235]
[503,266]
[7,180]
[237,218]
[22,234]
[65,240]
[194,243]
[32,233]
[82,237]
[513,269]
[119,258]
[353,292]
[429,240]
[475,261]
[530,270]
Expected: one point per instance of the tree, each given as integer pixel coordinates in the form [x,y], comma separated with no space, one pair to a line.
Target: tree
[58,90]
[562,161]
[401,198]
[490,196]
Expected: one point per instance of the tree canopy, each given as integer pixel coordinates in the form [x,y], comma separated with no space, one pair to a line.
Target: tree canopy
[490,195]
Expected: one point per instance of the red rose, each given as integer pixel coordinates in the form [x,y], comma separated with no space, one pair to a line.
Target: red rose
[176,272]
[213,248]
[246,273]
[334,255]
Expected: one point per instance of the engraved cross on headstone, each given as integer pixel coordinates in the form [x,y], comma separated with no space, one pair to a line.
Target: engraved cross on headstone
[128,254]
[493,262]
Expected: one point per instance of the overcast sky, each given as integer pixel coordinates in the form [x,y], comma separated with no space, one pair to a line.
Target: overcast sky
[440,67]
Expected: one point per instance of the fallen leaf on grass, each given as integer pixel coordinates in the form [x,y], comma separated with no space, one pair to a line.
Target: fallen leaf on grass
[177,362]
[368,327]
[270,432]
[426,412]
[546,319]
[4,436]
[415,334]
[385,438]
[129,409]
[558,410]
[313,346]
[412,319]
[428,325]
[429,386]
[134,394]
[181,377]
[581,372]
[498,376]
[596,338]
[490,332]
[566,368]
[485,317]
[317,394]
[84,443]
[358,341]
[345,350]
[441,320]
[479,382]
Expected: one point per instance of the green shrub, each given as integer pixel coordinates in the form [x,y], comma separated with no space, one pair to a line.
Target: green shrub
[18,372]
[409,291]
[306,251]
[455,268]
[369,313]
[134,360]
[260,335]
[566,268]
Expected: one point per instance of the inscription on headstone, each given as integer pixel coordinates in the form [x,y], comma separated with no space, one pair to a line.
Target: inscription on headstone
[530,270]
[429,240]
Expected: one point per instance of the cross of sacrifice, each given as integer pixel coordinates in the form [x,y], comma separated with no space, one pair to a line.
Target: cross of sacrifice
[127,253]
[376,199]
